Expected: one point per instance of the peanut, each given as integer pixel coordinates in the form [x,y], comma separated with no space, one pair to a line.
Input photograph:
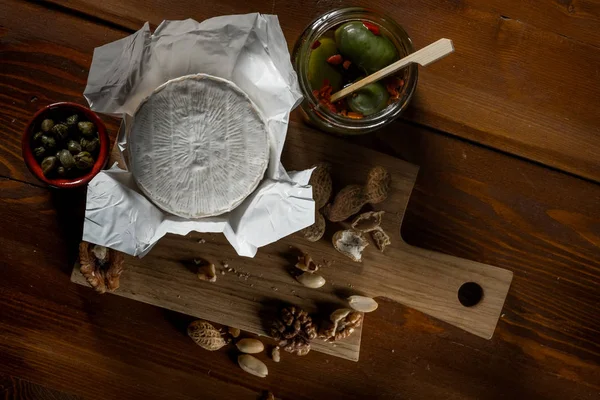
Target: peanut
[362,303]
[352,198]
[320,180]
[253,365]
[250,346]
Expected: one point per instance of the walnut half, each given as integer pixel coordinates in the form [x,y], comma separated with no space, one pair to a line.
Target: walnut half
[100,266]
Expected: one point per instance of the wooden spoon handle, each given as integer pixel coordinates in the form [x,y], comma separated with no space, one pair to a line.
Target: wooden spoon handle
[425,56]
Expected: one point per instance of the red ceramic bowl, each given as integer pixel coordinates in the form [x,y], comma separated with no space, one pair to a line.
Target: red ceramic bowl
[60,111]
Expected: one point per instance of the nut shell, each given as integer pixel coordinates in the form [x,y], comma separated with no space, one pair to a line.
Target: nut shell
[378,185]
[205,335]
[347,202]
[381,239]
[350,243]
[316,231]
[320,180]
[368,221]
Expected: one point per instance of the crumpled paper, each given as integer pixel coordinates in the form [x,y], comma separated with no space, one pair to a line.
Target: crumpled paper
[249,50]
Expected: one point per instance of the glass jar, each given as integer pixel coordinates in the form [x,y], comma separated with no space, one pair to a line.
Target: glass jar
[320,116]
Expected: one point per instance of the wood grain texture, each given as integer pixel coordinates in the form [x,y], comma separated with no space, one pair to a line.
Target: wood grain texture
[18,389]
[545,345]
[469,201]
[524,86]
[419,278]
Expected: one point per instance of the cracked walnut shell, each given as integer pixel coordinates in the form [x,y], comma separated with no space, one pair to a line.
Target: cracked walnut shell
[100,266]
[343,323]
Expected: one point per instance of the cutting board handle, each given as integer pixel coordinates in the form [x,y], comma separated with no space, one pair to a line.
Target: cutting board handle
[464,293]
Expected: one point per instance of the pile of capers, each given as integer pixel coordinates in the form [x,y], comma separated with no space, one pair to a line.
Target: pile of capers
[66,149]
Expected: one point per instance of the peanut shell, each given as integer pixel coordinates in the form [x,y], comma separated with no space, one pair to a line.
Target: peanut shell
[347,202]
[350,243]
[205,335]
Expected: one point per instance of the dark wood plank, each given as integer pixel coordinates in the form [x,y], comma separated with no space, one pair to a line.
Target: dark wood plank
[543,225]
[575,20]
[18,389]
[523,78]
[469,201]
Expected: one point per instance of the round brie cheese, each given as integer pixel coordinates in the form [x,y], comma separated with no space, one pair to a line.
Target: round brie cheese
[198,146]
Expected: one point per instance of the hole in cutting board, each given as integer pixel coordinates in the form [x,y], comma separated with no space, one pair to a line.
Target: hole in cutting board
[469,294]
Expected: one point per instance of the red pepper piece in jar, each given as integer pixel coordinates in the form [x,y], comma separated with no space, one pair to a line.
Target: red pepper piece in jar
[315,44]
[346,64]
[372,27]
[335,59]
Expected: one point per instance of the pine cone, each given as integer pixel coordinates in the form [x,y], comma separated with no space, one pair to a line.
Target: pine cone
[294,329]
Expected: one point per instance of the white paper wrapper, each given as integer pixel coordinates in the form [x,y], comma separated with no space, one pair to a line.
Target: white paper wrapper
[249,50]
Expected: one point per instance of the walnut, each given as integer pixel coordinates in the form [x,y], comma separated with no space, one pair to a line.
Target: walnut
[100,266]
[343,323]
[294,329]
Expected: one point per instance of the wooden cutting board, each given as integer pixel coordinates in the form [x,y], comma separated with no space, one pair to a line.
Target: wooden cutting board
[249,295]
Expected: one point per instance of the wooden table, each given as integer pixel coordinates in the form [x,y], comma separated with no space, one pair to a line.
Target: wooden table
[507,134]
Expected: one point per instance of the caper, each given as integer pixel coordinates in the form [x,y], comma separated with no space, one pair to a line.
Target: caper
[47,124]
[73,147]
[48,142]
[48,165]
[61,171]
[84,160]
[66,159]
[39,152]
[37,137]
[90,145]
[86,128]
[73,120]
[60,131]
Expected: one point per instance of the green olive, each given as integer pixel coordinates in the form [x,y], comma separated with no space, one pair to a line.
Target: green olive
[320,70]
[86,128]
[39,152]
[365,49]
[84,160]
[47,124]
[48,165]
[60,131]
[66,159]
[72,120]
[370,99]
[61,171]
[73,147]
[48,142]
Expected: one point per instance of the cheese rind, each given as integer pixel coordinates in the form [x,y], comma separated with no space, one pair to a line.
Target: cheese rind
[198,146]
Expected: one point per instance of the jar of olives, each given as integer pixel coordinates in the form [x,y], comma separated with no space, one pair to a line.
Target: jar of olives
[343,46]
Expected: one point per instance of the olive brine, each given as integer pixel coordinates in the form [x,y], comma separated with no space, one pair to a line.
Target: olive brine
[66,149]
[349,53]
